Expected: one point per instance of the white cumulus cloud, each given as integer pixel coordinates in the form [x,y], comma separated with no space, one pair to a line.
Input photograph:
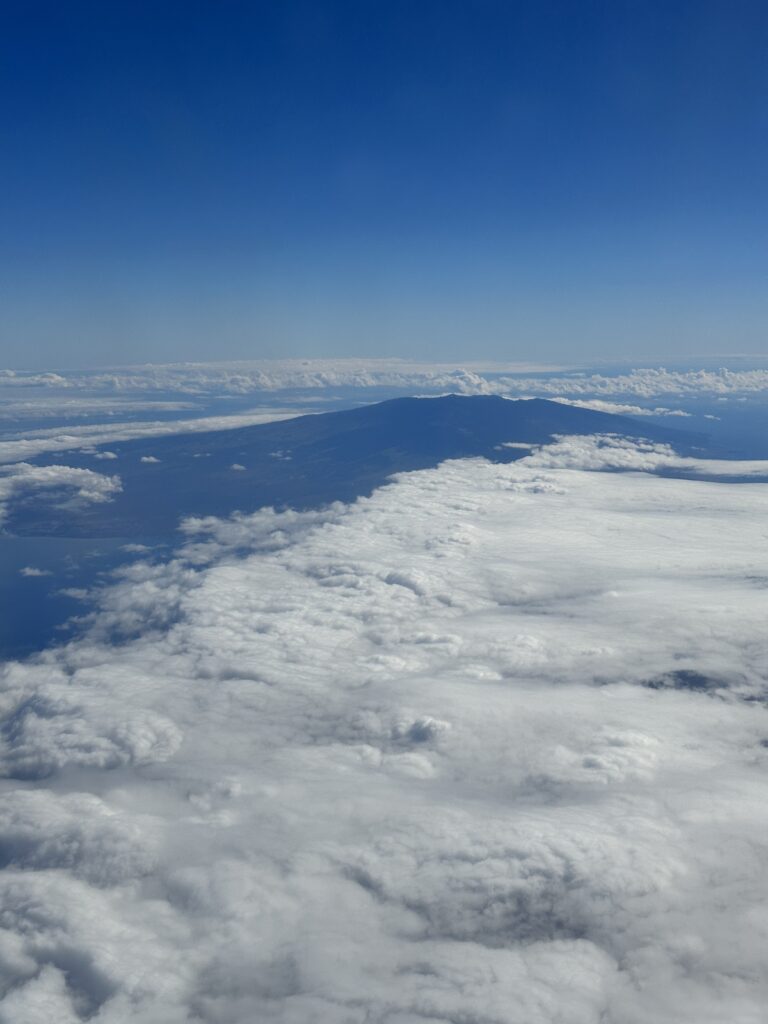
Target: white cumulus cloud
[76,485]
[488,746]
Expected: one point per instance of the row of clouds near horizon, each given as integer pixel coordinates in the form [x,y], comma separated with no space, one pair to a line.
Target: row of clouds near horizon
[488,747]
[514,379]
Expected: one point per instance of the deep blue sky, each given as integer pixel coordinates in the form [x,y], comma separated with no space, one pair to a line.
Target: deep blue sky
[448,180]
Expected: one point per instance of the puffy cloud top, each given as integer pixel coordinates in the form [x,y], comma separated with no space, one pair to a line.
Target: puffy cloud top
[79,486]
[486,747]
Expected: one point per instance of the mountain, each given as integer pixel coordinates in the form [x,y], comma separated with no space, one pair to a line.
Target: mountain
[312,460]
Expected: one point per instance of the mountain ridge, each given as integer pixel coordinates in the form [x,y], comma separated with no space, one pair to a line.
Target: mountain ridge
[317,458]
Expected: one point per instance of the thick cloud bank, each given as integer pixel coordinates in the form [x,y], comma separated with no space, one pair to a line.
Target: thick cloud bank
[486,748]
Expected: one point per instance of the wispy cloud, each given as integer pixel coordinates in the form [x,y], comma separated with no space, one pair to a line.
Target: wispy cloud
[37,442]
[621,409]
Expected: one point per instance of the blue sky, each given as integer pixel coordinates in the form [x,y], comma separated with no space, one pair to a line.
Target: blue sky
[560,181]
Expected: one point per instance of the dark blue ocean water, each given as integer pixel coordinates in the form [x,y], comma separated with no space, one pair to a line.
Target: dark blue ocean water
[36,609]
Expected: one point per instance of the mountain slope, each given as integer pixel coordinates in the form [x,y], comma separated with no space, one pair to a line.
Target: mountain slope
[315,459]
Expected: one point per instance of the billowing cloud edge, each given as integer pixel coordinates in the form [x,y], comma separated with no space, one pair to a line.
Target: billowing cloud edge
[488,746]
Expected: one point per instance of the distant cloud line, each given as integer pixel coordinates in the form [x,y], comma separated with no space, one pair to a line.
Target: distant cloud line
[243,378]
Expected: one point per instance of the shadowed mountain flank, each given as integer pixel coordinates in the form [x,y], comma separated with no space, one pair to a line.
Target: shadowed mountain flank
[313,460]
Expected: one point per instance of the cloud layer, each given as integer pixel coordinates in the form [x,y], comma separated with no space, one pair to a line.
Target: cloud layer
[243,378]
[488,747]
